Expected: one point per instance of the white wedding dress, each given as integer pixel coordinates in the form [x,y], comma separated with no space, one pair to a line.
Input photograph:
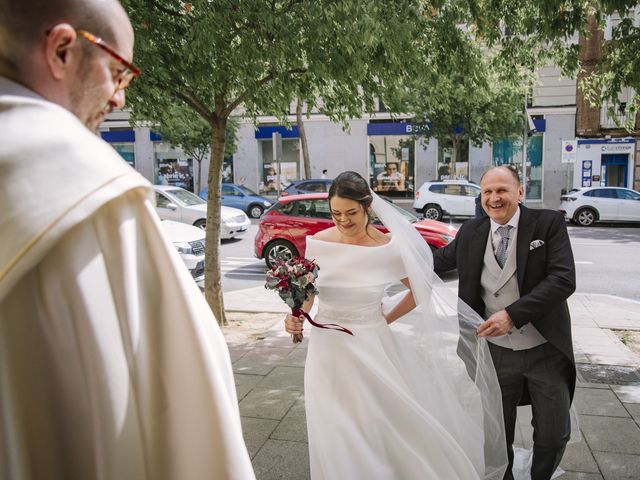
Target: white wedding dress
[372,412]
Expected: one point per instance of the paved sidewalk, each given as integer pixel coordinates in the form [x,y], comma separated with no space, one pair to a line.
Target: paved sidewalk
[269,379]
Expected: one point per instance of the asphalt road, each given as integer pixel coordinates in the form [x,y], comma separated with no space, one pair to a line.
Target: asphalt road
[607,260]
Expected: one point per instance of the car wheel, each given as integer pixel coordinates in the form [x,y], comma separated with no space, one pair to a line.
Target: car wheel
[585,217]
[202,223]
[255,211]
[280,249]
[432,212]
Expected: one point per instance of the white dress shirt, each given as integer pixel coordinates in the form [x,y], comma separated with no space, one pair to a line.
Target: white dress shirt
[497,238]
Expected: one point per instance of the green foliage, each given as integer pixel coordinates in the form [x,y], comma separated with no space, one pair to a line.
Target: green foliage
[463,91]
[219,54]
[620,69]
[531,33]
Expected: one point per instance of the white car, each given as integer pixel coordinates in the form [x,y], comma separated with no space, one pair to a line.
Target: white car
[189,241]
[449,197]
[180,205]
[587,205]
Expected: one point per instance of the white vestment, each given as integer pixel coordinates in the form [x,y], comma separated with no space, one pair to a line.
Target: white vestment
[112,365]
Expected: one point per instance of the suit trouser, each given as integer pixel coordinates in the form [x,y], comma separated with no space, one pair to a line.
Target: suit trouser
[546,373]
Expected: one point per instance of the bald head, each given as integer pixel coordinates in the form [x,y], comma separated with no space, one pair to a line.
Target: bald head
[506,169]
[24,24]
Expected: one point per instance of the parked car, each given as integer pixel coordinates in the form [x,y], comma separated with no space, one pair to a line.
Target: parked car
[311,185]
[449,197]
[239,196]
[180,205]
[283,229]
[588,205]
[189,241]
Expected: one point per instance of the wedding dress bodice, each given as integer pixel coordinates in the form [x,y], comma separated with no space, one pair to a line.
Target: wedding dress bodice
[352,279]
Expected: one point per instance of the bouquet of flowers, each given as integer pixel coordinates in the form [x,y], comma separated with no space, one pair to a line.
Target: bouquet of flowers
[294,280]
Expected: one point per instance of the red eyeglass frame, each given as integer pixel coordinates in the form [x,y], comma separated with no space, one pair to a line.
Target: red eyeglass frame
[131,71]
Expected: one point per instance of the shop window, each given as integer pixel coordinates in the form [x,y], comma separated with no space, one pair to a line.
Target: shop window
[446,168]
[509,152]
[288,168]
[392,163]
[227,169]
[172,167]
[126,151]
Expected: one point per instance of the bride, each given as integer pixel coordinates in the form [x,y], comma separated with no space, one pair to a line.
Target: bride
[412,394]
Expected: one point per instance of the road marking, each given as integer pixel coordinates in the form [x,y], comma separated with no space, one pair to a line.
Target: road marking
[606,244]
[236,273]
[584,263]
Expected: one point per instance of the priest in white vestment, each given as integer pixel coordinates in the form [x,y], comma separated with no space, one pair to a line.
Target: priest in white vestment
[112,365]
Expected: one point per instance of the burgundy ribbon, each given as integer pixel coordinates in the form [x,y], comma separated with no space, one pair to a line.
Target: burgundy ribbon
[329,326]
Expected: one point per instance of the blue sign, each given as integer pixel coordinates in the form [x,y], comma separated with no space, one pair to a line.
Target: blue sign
[393,128]
[265,132]
[540,124]
[608,141]
[119,136]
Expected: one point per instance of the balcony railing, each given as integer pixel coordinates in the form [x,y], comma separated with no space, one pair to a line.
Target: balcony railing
[617,120]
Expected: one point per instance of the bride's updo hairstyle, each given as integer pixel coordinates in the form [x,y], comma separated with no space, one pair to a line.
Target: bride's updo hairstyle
[352,186]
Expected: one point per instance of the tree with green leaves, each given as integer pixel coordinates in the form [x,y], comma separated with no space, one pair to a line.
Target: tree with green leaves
[469,102]
[218,57]
[530,33]
[462,93]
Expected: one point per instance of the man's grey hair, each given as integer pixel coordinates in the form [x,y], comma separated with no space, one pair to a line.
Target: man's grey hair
[24,24]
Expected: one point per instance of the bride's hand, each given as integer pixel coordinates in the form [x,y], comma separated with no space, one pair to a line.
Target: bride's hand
[293,324]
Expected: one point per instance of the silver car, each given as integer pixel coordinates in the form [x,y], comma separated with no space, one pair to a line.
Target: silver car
[189,241]
[180,205]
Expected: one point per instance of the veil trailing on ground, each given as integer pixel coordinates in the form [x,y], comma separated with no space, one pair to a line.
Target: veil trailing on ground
[449,367]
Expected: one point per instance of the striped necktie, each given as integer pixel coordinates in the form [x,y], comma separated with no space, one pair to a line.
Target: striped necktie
[501,251]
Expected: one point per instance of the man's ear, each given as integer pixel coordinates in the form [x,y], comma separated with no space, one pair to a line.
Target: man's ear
[60,56]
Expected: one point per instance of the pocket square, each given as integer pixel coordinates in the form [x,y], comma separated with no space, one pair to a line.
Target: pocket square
[535,244]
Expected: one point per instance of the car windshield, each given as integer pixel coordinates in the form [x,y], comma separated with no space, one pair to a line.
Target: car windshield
[185,197]
[408,215]
[319,208]
[246,190]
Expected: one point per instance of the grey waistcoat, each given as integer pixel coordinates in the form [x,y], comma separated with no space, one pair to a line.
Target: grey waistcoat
[499,289]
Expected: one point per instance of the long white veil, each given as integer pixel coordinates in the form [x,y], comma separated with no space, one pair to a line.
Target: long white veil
[449,367]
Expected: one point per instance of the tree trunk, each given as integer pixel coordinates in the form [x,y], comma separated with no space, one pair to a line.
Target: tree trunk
[587,115]
[212,272]
[454,156]
[198,179]
[303,141]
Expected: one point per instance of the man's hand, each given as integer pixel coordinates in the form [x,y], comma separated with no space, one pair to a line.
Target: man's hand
[497,324]
[293,324]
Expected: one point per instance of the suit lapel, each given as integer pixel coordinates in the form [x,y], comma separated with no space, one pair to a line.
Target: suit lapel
[526,228]
[477,247]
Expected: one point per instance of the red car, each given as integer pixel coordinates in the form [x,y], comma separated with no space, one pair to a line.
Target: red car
[283,228]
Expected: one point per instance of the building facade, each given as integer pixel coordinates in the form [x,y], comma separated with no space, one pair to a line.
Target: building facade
[386,152]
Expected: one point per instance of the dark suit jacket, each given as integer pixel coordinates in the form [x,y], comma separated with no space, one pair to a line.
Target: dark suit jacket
[546,275]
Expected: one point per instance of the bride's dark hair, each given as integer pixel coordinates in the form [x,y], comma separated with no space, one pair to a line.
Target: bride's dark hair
[352,186]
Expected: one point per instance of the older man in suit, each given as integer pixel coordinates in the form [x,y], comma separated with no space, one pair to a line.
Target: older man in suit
[516,270]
